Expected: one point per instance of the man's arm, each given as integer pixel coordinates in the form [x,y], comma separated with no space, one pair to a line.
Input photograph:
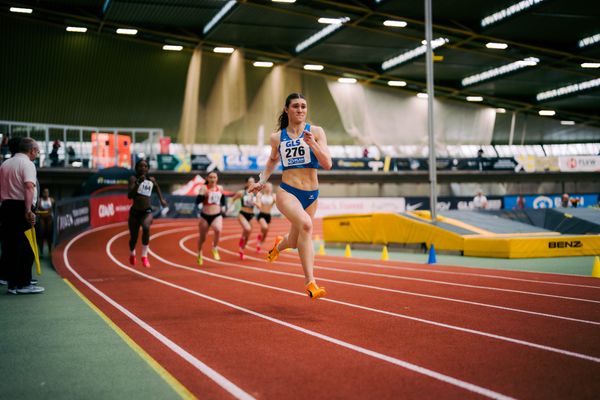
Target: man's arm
[29,193]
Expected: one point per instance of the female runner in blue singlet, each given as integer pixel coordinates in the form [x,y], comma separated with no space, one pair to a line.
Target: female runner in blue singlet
[140,213]
[302,149]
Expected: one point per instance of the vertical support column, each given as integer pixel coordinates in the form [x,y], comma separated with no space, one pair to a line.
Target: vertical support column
[46,141]
[116,146]
[511,134]
[65,147]
[81,147]
[430,97]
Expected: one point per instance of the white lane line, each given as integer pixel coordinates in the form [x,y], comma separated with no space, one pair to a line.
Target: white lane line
[316,266]
[219,379]
[422,320]
[395,361]
[271,271]
[366,263]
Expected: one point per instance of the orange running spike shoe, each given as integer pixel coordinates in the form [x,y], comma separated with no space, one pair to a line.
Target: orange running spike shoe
[315,292]
[274,252]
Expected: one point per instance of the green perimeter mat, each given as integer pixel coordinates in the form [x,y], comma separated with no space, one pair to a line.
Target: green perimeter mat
[54,346]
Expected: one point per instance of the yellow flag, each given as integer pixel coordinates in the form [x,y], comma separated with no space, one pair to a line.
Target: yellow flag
[30,234]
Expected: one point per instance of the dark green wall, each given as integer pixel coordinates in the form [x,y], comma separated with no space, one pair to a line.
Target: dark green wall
[52,76]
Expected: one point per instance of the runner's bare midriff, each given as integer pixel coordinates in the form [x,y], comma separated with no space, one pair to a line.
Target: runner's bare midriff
[301,178]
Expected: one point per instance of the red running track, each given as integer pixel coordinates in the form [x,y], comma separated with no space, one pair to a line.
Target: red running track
[386,330]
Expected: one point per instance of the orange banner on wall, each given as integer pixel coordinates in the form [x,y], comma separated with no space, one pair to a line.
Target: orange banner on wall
[103,150]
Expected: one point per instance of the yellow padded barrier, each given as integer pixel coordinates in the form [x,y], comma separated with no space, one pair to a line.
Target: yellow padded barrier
[383,228]
[532,247]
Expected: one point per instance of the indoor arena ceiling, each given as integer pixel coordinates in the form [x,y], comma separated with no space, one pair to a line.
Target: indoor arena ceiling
[540,69]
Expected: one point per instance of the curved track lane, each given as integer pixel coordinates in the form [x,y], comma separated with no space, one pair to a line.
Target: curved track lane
[387,329]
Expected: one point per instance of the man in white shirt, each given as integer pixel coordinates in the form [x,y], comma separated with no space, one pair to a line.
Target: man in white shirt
[480,201]
[17,193]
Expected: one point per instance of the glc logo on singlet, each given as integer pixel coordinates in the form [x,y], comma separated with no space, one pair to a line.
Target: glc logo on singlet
[294,152]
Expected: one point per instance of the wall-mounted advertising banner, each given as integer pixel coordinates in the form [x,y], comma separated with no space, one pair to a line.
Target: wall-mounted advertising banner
[114,178]
[105,146]
[246,163]
[358,205]
[165,145]
[173,162]
[361,164]
[181,206]
[451,203]
[550,201]
[579,163]
[240,163]
[460,164]
[202,162]
[108,209]
[72,216]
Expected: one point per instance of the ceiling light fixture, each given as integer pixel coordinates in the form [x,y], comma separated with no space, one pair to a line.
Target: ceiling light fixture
[394,24]
[283,1]
[588,41]
[567,122]
[496,46]
[124,31]
[494,72]
[224,50]
[218,16]
[474,98]
[21,10]
[79,29]
[347,80]
[172,47]
[507,12]
[321,34]
[324,20]
[422,95]
[576,87]
[397,83]
[500,110]
[409,55]
[313,67]
[590,65]
[547,113]
[263,64]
